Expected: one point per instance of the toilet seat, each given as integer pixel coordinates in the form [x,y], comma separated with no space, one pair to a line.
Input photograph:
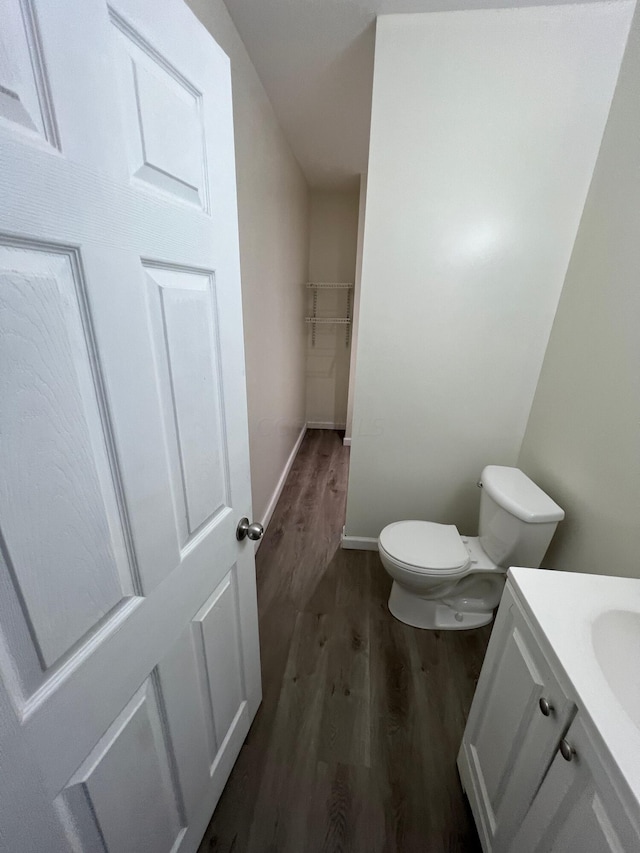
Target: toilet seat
[425,548]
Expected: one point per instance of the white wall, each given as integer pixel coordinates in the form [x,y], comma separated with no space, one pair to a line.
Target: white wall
[362,201]
[485,130]
[332,258]
[583,437]
[273,211]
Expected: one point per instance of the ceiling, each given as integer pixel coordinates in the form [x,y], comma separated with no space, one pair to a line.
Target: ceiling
[315,60]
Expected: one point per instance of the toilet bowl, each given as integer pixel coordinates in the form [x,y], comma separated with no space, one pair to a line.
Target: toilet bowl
[460,591]
[442,580]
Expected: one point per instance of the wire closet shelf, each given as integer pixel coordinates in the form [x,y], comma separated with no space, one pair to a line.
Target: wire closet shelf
[315,320]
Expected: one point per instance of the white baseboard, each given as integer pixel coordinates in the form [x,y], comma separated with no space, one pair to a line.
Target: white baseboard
[346,441]
[324,425]
[283,478]
[359,543]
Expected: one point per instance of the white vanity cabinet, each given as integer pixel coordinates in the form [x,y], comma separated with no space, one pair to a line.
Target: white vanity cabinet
[525,796]
[518,715]
[577,808]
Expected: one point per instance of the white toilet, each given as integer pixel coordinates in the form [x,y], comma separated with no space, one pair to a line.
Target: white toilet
[447,581]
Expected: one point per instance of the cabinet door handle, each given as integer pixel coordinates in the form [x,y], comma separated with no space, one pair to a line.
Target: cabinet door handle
[545,706]
[566,750]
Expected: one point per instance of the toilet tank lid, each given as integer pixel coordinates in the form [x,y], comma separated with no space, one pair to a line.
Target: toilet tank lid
[515,492]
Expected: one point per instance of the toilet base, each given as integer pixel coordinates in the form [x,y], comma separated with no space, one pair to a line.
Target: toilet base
[430,613]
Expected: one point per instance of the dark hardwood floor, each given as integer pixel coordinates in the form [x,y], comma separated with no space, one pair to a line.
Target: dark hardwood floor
[355,743]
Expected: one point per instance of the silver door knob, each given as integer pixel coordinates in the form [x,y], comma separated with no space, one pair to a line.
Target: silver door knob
[566,750]
[545,706]
[251,531]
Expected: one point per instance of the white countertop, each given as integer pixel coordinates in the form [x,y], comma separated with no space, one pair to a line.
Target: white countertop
[565,605]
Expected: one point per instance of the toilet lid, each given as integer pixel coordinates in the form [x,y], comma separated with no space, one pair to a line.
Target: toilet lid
[425,545]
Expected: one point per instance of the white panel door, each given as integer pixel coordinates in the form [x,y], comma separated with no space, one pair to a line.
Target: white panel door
[129,664]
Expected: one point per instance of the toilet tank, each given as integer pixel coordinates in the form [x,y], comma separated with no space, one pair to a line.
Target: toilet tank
[517,519]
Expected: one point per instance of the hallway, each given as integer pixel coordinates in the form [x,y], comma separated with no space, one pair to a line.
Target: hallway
[354,745]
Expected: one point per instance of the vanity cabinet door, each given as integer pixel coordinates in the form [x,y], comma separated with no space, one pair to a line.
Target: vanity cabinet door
[509,742]
[577,809]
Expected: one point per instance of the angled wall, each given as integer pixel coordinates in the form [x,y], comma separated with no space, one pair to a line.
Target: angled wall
[583,437]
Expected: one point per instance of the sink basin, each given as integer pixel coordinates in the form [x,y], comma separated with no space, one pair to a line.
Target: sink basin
[616,641]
